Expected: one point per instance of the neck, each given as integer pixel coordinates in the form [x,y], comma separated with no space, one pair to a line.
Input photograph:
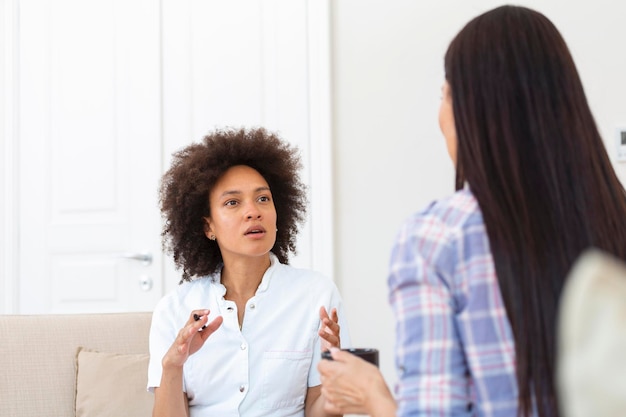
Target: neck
[242,278]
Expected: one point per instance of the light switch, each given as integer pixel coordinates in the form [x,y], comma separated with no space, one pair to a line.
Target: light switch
[620,143]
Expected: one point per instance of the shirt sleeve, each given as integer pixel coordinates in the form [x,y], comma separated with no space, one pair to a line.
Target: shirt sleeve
[432,373]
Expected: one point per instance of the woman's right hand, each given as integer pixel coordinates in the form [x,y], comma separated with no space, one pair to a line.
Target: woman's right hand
[351,385]
[191,338]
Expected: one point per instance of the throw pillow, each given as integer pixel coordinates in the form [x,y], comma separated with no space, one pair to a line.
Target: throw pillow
[112,385]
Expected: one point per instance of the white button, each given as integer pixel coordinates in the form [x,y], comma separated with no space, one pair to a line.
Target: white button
[252,306]
[242,388]
[230,309]
[243,346]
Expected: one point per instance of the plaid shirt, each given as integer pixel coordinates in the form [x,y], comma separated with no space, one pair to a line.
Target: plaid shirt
[455,353]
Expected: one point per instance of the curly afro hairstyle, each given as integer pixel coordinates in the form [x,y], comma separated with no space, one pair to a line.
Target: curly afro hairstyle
[185,187]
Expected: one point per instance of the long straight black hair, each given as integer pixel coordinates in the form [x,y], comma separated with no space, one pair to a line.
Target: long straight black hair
[530,151]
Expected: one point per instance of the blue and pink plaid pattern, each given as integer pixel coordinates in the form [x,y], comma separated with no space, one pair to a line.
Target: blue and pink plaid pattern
[455,353]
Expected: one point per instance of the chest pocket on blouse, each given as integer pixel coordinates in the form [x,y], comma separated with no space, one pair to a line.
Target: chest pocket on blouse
[284,378]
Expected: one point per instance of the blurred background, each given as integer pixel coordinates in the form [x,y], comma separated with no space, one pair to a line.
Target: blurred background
[97,95]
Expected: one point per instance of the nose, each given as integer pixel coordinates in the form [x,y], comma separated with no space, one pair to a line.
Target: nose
[253,212]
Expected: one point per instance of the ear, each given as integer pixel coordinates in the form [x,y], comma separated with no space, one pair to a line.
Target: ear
[207,227]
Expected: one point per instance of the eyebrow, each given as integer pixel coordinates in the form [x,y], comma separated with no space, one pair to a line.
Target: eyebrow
[237,192]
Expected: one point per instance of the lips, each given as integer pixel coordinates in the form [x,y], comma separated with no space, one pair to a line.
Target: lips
[254,230]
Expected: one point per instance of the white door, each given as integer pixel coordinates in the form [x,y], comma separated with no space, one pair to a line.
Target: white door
[255,63]
[107,90]
[89,156]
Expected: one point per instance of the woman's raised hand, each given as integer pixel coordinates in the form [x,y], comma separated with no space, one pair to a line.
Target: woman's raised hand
[191,337]
[330,329]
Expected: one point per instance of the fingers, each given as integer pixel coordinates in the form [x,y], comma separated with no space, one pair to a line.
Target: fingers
[342,356]
[333,391]
[333,403]
[186,343]
[345,383]
[330,407]
[181,344]
[198,319]
[196,324]
[331,339]
[209,328]
[185,336]
[334,316]
[330,329]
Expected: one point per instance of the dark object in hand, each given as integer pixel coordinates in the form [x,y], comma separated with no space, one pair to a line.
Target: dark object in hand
[367,354]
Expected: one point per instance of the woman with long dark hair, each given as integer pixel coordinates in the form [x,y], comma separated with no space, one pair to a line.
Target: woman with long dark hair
[475,279]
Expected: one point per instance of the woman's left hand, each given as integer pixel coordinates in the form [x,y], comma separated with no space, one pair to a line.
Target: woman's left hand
[330,329]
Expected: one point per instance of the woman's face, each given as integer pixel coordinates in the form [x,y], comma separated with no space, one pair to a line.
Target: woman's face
[243,216]
[446,121]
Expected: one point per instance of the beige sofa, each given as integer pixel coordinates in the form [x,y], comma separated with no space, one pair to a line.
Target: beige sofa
[74,365]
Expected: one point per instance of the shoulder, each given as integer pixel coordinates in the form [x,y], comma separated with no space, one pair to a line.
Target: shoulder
[451,213]
[442,236]
[185,294]
[443,220]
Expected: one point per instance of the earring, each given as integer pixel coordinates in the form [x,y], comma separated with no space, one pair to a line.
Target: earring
[212,237]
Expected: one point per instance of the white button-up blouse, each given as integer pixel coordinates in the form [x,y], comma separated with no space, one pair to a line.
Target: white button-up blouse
[265,368]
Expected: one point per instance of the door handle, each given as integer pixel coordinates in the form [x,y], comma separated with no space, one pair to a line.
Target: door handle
[144,257]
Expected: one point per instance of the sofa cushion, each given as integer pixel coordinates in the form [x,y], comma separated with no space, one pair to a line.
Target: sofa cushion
[112,384]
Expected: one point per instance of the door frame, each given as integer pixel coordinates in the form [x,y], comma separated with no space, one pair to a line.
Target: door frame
[320,128]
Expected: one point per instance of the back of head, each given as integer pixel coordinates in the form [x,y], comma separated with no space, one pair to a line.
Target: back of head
[530,151]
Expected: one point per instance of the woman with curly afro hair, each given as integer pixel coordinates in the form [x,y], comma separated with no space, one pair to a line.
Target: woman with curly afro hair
[243,332]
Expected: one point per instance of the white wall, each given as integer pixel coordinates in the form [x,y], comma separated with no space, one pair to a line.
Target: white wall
[389,156]
[8,241]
